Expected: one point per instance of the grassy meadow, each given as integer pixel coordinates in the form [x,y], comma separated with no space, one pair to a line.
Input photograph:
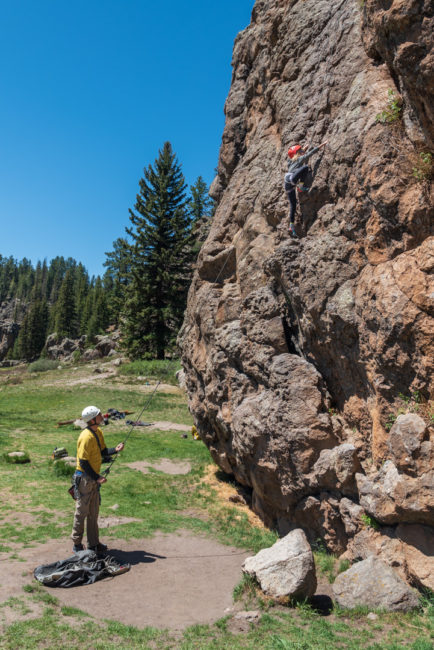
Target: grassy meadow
[31,404]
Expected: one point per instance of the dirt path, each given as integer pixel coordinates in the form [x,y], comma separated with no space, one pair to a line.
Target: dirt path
[163,465]
[163,425]
[175,580]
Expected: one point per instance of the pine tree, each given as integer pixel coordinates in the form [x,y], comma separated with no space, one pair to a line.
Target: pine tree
[99,319]
[116,277]
[161,256]
[82,283]
[31,338]
[200,203]
[66,323]
[201,207]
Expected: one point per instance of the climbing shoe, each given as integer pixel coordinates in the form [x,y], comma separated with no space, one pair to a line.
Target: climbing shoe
[292,231]
[77,547]
[100,549]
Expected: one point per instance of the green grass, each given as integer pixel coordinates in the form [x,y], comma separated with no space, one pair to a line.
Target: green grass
[277,628]
[163,371]
[29,415]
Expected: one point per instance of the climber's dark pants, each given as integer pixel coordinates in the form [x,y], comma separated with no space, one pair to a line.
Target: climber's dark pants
[298,175]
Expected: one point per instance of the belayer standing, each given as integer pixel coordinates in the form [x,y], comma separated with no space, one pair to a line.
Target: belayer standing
[295,177]
[91,449]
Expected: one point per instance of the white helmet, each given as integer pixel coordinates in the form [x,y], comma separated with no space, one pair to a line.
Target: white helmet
[89,413]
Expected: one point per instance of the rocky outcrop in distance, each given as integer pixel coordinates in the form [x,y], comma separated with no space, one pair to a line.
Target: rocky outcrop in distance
[298,354]
[63,348]
[9,326]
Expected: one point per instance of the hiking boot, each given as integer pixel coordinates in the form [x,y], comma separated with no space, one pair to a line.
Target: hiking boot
[99,549]
[77,547]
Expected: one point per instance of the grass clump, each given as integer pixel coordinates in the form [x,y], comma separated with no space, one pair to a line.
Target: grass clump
[370,522]
[62,468]
[393,111]
[327,563]
[343,566]
[246,588]
[423,169]
[324,561]
[23,457]
[155,370]
[43,365]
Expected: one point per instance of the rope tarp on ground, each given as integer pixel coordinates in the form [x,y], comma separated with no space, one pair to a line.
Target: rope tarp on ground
[83,568]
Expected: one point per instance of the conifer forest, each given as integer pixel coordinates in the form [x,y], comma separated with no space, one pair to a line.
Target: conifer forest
[143,291]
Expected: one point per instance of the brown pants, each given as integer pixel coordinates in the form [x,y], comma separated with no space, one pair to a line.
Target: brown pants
[86,507]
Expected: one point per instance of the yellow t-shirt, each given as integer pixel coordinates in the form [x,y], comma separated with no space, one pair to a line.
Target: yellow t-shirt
[87,449]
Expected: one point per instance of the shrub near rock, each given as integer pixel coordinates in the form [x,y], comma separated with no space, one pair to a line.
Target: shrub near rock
[65,466]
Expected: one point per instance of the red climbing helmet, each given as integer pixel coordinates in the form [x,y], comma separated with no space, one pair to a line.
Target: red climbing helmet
[293,150]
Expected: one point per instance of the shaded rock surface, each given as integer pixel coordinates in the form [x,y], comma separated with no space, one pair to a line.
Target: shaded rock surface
[295,352]
[408,548]
[285,569]
[371,583]
[392,497]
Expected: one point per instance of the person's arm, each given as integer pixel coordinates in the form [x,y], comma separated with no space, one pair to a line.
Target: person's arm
[108,451]
[87,469]
[301,161]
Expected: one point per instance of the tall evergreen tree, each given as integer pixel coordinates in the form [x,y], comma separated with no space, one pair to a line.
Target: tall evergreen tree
[99,319]
[201,207]
[200,203]
[81,282]
[116,277]
[161,256]
[31,338]
[66,310]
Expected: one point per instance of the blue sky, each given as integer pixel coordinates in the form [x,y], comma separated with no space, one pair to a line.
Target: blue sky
[90,91]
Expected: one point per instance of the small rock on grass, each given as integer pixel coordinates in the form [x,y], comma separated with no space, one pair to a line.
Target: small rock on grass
[17,457]
[371,583]
[71,461]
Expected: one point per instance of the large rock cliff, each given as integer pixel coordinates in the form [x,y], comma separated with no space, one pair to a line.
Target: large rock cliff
[299,353]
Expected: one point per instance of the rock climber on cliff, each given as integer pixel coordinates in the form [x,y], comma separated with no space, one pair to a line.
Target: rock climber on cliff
[295,177]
